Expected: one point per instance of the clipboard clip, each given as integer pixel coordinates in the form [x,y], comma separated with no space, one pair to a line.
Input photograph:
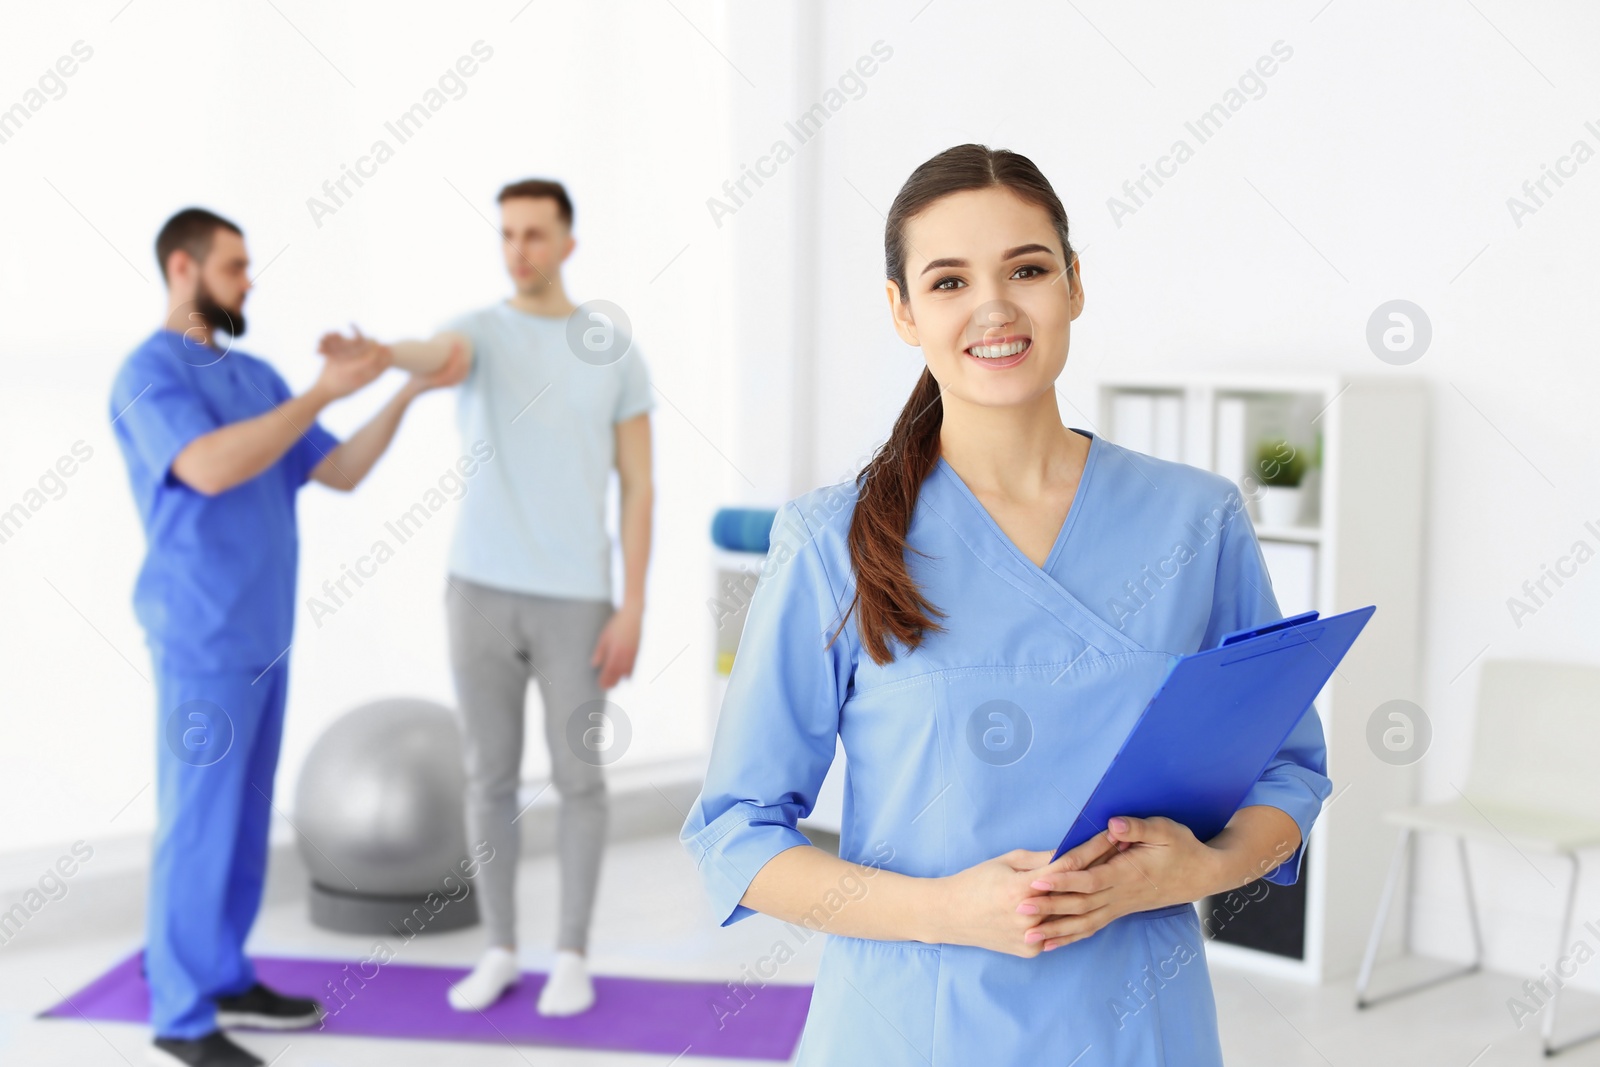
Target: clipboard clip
[1282,624]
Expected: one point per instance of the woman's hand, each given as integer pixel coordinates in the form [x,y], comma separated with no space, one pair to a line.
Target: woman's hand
[981,905]
[1136,865]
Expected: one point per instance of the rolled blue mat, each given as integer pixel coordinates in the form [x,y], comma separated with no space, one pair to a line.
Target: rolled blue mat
[743,529]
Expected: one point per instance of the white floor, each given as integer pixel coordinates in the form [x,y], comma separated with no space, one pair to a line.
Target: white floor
[642,928]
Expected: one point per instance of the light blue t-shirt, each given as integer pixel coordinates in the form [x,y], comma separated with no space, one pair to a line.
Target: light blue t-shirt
[533,519]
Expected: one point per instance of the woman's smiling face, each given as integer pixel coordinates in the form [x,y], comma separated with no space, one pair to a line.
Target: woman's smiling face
[991,301]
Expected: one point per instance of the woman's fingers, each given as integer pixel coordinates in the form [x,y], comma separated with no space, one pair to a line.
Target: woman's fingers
[1054,904]
[1023,859]
[1067,928]
[1079,859]
[1156,830]
[1122,833]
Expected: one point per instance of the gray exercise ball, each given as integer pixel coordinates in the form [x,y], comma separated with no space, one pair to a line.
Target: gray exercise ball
[379,817]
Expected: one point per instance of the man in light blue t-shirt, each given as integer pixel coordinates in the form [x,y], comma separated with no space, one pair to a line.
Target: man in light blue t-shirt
[555,397]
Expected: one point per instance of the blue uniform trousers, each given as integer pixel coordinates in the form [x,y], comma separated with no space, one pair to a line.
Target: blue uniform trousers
[217,754]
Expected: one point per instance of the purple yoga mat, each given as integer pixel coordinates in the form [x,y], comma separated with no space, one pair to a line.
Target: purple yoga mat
[406,1001]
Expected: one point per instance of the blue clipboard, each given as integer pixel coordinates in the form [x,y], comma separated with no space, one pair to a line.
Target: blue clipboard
[1218,719]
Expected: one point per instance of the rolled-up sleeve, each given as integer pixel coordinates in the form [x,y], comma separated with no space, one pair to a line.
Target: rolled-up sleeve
[1296,780]
[775,736]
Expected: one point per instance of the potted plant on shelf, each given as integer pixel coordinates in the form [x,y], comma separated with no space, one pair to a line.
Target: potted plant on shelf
[1281,468]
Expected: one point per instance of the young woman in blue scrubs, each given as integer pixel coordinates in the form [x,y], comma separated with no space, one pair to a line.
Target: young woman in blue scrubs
[980,616]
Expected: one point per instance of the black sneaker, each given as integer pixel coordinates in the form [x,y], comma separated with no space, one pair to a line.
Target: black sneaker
[213,1050]
[261,1007]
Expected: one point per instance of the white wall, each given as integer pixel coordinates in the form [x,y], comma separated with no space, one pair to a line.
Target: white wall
[236,110]
[1376,165]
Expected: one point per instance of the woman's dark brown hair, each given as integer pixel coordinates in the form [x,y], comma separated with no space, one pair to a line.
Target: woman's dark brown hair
[887,603]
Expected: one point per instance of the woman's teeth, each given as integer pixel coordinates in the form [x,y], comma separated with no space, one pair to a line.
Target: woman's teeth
[998,351]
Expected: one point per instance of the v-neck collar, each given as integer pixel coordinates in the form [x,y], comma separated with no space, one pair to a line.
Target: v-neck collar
[1073,510]
[945,491]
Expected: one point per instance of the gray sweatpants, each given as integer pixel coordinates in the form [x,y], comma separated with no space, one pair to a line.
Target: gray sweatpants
[498,640]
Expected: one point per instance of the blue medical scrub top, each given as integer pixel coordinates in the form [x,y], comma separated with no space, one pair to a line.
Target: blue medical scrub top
[987,738]
[216,590]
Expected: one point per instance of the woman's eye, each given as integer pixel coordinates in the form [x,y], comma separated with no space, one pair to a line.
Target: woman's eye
[1033,269]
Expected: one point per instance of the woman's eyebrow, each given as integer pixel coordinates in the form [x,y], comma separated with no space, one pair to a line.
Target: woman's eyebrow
[1020,250]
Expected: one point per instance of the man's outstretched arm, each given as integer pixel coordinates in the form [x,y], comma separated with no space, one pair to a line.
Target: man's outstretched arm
[418,357]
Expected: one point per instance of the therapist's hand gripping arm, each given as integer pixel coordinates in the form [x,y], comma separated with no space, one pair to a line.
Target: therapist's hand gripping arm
[347,465]
[231,455]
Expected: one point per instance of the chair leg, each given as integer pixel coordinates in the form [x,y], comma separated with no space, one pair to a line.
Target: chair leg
[1472,904]
[1549,1027]
[1362,979]
[1378,921]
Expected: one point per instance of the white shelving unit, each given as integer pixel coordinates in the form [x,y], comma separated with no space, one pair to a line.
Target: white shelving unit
[1358,542]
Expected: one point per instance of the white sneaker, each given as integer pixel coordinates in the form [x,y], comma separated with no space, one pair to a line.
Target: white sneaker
[495,973]
[568,990]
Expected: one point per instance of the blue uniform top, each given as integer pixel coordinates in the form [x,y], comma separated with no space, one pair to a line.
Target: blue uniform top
[989,737]
[216,591]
